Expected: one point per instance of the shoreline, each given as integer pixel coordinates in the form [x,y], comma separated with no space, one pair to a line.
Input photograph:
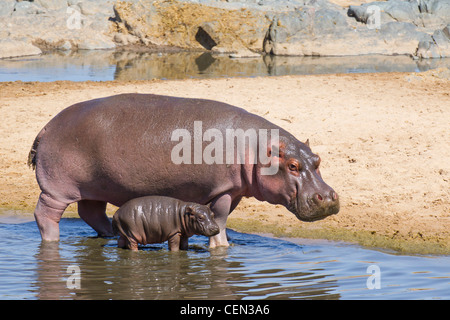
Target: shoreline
[302,235]
[374,133]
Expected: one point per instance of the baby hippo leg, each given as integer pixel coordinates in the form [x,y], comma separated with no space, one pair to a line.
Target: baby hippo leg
[124,242]
[174,242]
[184,243]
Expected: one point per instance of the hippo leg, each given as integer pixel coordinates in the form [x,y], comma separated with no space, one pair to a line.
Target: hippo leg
[132,245]
[94,214]
[184,243]
[121,242]
[221,208]
[127,243]
[48,213]
[174,242]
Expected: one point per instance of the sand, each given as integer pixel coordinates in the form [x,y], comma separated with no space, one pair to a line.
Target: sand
[384,140]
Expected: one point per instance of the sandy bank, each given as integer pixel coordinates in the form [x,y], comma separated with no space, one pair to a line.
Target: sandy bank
[384,141]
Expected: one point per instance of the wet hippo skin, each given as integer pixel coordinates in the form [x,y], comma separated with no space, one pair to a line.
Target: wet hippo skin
[155,219]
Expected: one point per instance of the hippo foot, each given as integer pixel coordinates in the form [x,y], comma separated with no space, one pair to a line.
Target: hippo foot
[127,244]
[219,240]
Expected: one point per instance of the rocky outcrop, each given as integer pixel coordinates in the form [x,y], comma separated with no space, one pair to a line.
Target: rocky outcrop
[244,28]
[325,32]
[309,27]
[437,47]
[392,27]
[29,27]
[13,48]
[422,13]
[191,25]
[427,21]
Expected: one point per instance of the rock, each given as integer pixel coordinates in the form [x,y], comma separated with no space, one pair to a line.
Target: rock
[438,7]
[446,31]
[7,7]
[394,10]
[442,38]
[192,25]
[289,31]
[65,46]
[125,39]
[433,21]
[326,32]
[401,11]
[100,7]
[206,35]
[73,2]
[427,50]
[294,27]
[52,24]
[244,54]
[88,8]
[27,8]
[419,12]
[15,48]
[53,5]
[437,47]
[96,43]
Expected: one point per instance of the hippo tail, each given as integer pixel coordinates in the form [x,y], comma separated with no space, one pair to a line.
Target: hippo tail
[32,154]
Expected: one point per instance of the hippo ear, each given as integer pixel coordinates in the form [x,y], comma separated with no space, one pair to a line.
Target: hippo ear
[275,150]
[189,211]
[307,142]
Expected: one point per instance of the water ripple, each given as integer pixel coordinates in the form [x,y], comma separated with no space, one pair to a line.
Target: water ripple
[253,267]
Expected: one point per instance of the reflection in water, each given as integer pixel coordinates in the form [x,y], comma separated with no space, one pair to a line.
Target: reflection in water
[50,267]
[253,267]
[110,65]
[108,272]
[152,273]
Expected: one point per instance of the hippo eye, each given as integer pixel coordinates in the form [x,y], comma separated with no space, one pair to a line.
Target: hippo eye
[292,166]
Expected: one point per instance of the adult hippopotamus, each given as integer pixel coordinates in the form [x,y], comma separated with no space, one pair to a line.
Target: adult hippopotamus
[114,149]
[155,219]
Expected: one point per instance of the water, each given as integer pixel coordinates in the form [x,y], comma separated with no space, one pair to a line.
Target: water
[253,267]
[109,65]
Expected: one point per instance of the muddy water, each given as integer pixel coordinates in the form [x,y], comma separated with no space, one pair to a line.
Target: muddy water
[109,65]
[81,266]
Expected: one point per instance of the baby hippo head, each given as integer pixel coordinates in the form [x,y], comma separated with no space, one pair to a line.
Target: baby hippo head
[201,218]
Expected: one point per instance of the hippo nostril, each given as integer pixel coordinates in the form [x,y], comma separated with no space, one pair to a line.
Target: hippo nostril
[317,198]
[328,198]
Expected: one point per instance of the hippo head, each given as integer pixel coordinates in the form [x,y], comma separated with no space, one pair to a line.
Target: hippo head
[201,220]
[297,184]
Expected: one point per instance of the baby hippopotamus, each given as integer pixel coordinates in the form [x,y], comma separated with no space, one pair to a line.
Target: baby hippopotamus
[155,219]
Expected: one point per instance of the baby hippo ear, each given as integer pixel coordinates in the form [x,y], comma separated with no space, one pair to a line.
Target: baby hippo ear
[189,210]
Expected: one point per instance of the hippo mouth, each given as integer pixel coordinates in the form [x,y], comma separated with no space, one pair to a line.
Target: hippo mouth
[209,231]
[212,232]
[309,211]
